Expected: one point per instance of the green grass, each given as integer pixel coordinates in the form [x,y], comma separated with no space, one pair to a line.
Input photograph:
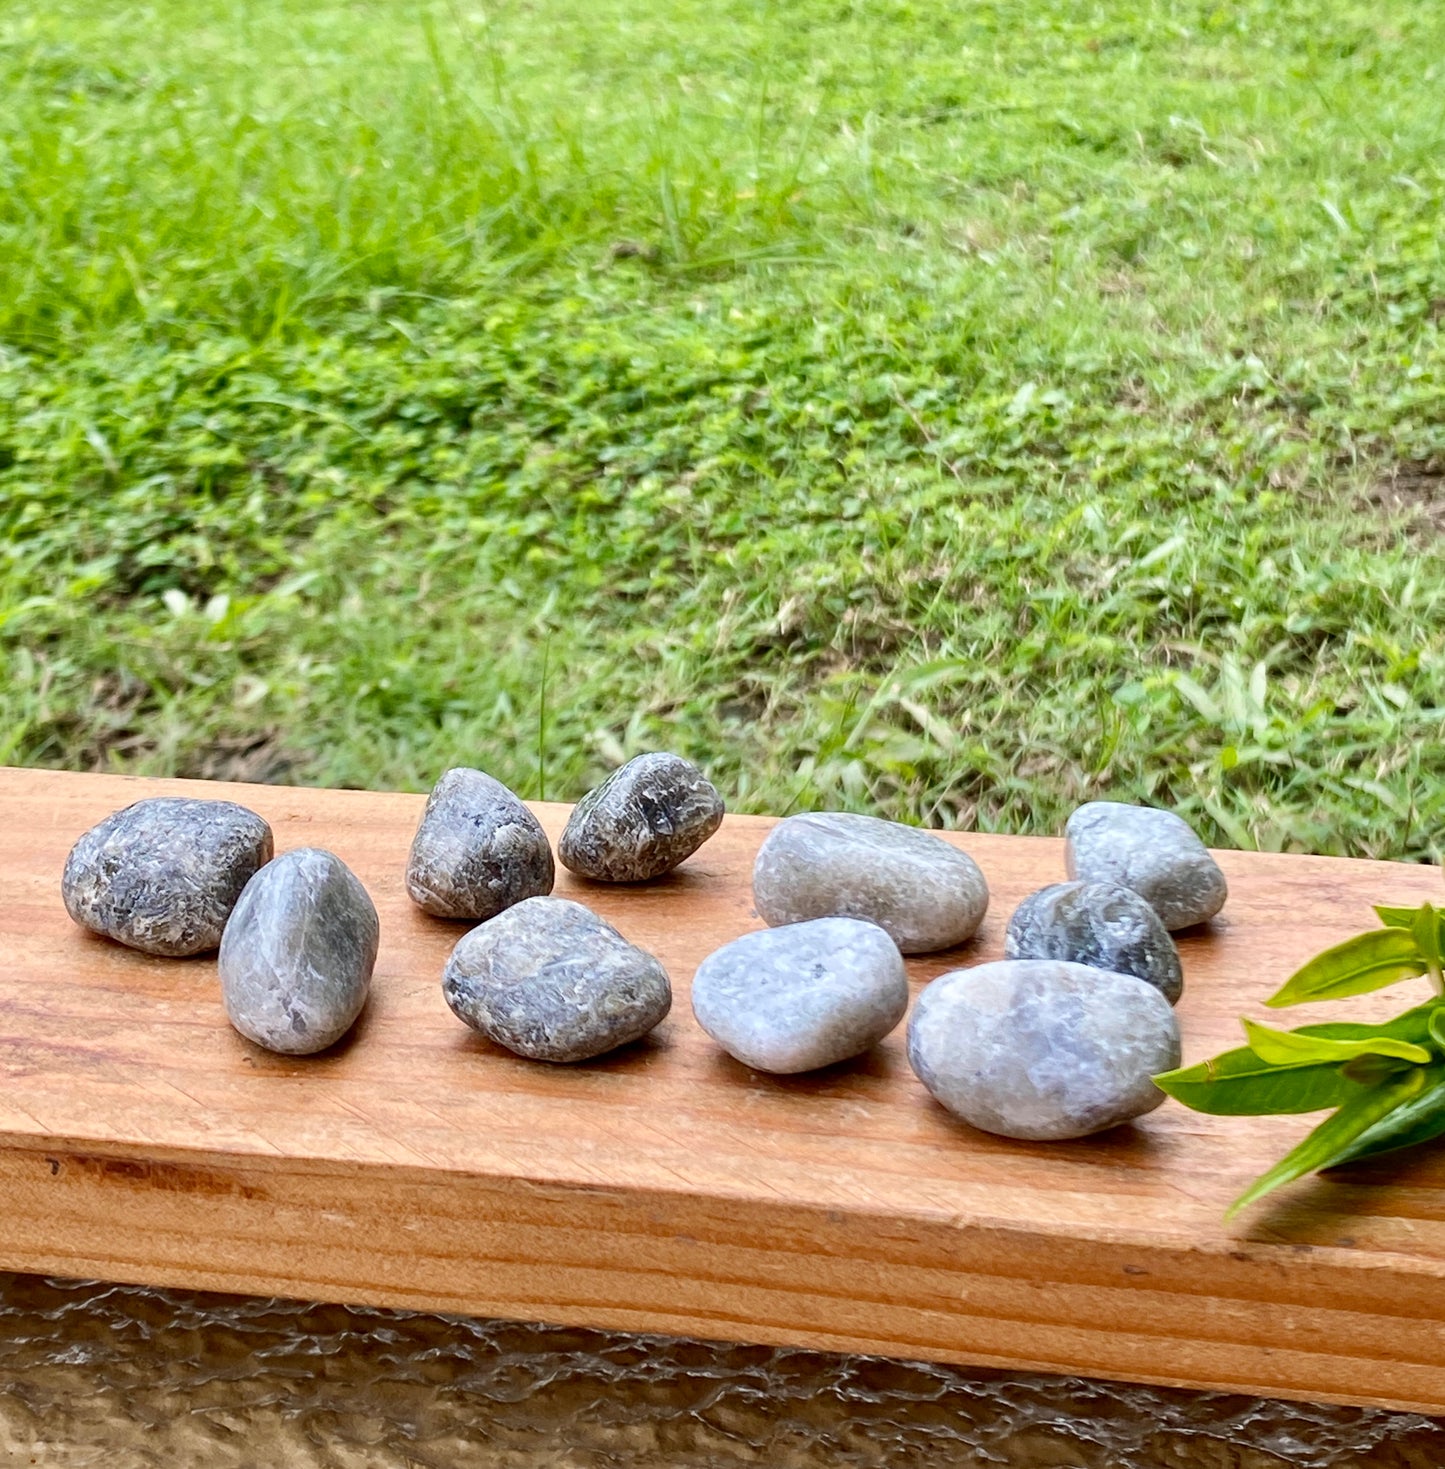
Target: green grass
[950,411]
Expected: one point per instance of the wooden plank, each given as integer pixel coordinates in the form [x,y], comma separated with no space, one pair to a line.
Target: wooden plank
[668,1188]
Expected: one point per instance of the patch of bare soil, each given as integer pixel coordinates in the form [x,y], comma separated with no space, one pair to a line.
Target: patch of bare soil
[1413,492]
[259,758]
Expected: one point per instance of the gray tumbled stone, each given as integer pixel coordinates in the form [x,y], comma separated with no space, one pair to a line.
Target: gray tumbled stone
[163,874]
[1040,1049]
[1154,852]
[924,892]
[297,955]
[796,998]
[552,981]
[1101,924]
[642,821]
[477,850]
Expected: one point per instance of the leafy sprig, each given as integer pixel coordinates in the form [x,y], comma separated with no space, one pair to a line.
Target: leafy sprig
[1385,1083]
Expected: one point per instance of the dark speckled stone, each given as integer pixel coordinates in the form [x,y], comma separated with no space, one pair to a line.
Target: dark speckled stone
[1100,924]
[551,981]
[297,955]
[477,851]
[642,821]
[163,875]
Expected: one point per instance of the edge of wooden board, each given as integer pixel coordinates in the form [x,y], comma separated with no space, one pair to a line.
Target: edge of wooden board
[970,1292]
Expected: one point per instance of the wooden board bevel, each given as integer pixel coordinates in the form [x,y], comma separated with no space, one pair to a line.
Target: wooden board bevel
[668,1188]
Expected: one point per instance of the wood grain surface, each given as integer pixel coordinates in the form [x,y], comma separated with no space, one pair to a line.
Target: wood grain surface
[667,1188]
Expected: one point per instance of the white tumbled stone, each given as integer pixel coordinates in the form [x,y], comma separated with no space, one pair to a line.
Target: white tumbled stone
[802,996]
[1155,852]
[925,892]
[1042,1049]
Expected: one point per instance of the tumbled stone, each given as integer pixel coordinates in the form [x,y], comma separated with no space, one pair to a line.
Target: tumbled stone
[1154,852]
[552,981]
[477,850]
[642,821]
[796,998]
[1041,1049]
[924,892]
[297,955]
[1101,924]
[164,874]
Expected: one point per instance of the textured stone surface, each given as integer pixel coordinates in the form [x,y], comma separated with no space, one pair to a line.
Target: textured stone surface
[1101,924]
[297,955]
[927,894]
[163,875]
[807,995]
[552,981]
[1036,1048]
[1154,852]
[642,821]
[477,850]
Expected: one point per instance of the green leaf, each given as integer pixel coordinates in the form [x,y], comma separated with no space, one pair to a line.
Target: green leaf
[1420,1120]
[1417,1025]
[1370,961]
[1427,923]
[1426,929]
[1372,1070]
[1239,1084]
[1396,917]
[1300,1048]
[1330,1142]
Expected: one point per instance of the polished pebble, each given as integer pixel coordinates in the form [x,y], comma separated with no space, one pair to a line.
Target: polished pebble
[1100,924]
[1154,852]
[645,819]
[163,875]
[552,981]
[922,890]
[807,995]
[1040,1049]
[297,956]
[477,850]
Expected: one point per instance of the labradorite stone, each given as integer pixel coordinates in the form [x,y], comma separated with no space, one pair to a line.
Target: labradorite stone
[477,850]
[297,955]
[1100,924]
[164,874]
[552,981]
[923,891]
[1041,1049]
[642,821]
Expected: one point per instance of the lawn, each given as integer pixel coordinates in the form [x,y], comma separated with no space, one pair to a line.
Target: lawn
[952,411]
